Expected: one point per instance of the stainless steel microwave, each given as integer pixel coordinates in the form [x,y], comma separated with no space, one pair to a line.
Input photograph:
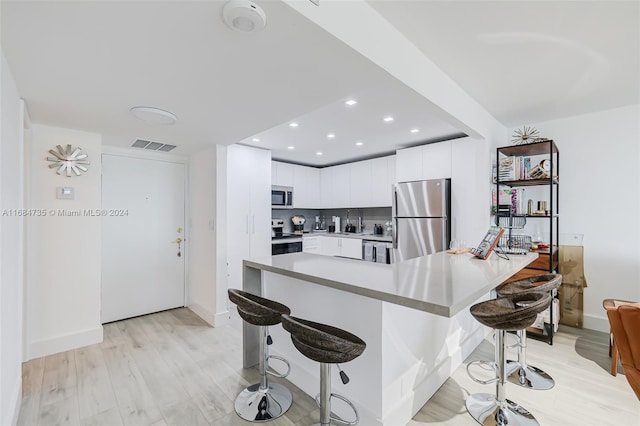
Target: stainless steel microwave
[281,197]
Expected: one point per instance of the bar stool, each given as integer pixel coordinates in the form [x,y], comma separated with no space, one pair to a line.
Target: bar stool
[265,400]
[326,345]
[519,372]
[503,314]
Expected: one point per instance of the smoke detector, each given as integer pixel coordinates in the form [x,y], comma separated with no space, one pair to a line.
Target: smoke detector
[244,16]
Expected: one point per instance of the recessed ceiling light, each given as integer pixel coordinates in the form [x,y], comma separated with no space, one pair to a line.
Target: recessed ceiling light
[359,143]
[293,124]
[154,116]
[291,147]
[388,119]
[351,102]
[318,153]
[255,140]
[414,130]
[331,135]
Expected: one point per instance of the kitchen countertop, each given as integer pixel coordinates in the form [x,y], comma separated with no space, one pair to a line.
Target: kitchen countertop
[441,283]
[361,236]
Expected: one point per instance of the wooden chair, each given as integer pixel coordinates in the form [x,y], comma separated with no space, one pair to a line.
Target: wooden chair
[624,319]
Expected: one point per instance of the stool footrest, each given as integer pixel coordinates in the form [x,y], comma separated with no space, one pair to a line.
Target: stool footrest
[483,364]
[279,358]
[334,417]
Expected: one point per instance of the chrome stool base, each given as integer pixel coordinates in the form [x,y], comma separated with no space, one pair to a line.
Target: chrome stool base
[528,376]
[487,411]
[261,405]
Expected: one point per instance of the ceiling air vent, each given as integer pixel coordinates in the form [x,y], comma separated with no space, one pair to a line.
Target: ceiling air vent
[152,146]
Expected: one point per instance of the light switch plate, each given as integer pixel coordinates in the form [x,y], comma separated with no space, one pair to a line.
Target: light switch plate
[64,193]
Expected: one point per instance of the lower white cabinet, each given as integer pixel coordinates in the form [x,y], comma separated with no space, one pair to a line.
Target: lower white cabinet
[351,247]
[311,245]
[333,246]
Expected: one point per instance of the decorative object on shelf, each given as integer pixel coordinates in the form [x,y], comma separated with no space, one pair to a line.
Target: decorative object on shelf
[525,135]
[488,243]
[68,160]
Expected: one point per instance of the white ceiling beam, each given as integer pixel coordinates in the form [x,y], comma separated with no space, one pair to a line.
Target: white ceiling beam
[361,27]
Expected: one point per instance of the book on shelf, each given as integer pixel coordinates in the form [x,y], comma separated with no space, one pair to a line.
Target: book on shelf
[508,201]
[514,168]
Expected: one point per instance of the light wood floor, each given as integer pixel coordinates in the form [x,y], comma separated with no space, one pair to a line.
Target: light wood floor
[170,368]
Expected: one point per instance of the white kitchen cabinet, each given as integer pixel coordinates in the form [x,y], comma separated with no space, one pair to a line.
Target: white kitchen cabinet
[409,164]
[378,186]
[281,173]
[335,246]
[341,185]
[436,160]
[248,207]
[330,246]
[361,186]
[431,161]
[351,247]
[311,244]
[326,188]
[306,187]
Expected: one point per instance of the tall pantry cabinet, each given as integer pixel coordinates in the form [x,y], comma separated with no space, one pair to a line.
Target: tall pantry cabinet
[248,208]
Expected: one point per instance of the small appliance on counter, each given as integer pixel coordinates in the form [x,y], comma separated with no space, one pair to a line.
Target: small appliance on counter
[277,225]
[336,224]
[320,224]
[298,224]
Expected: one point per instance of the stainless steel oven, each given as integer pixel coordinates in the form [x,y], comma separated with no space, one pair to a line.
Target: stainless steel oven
[281,197]
[285,244]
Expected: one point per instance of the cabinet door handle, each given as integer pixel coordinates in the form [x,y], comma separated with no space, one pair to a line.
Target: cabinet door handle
[247,217]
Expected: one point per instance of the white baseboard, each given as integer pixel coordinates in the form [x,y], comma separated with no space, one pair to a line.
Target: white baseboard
[65,342]
[597,323]
[214,320]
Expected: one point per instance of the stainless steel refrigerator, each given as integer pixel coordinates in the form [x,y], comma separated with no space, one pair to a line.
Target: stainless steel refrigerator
[421,218]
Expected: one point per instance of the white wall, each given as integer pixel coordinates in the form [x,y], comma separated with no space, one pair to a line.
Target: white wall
[599,197]
[11,259]
[201,239]
[207,236]
[222,300]
[63,253]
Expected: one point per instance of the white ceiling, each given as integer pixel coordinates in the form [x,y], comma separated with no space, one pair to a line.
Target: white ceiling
[84,64]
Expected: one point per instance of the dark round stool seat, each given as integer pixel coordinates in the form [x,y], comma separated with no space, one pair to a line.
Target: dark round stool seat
[511,313]
[549,282]
[257,310]
[323,343]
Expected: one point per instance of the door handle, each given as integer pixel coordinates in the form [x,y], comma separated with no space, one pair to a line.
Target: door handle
[247,217]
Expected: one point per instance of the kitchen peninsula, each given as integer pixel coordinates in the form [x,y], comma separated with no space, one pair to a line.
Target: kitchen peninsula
[413,315]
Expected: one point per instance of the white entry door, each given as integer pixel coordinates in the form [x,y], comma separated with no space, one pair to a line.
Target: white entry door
[142,265]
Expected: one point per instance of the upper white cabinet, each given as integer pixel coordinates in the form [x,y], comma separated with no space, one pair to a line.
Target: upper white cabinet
[248,207]
[379,188]
[361,185]
[306,187]
[436,160]
[432,161]
[282,174]
[409,164]
[341,185]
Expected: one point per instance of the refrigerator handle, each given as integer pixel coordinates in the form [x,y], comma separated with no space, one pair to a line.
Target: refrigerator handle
[394,223]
